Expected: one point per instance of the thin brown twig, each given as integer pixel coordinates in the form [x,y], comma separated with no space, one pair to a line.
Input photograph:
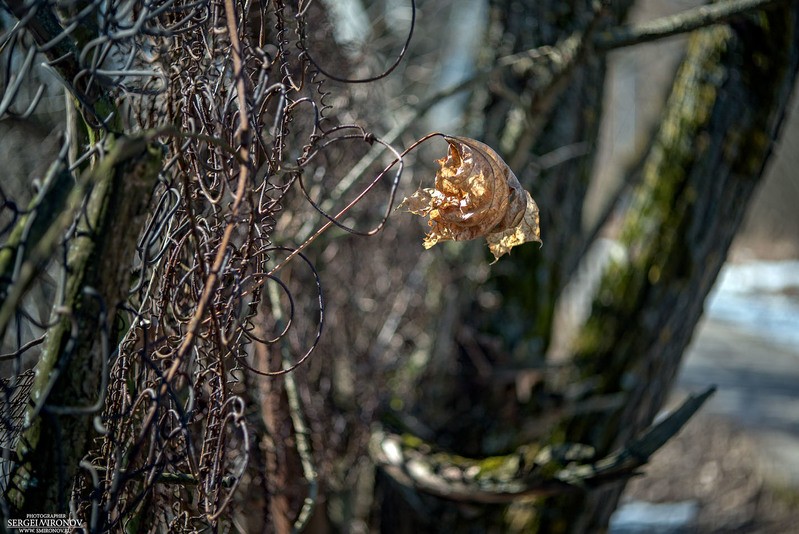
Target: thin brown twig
[331,221]
[244,157]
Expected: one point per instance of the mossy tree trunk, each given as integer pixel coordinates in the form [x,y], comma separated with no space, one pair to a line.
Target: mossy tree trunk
[99,209]
[725,109]
[72,372]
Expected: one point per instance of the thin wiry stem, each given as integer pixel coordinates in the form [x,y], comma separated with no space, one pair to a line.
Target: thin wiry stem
[301,431]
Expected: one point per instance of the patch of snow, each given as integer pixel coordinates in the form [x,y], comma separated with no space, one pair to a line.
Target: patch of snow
[638,517]
[760,297]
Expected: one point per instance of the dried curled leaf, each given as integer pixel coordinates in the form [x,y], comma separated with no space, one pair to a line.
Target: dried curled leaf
[476,195]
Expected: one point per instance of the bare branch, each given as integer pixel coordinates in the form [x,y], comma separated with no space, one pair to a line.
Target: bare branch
[552,470]
[687,21]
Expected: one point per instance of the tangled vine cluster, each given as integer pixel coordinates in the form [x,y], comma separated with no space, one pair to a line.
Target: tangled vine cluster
[228,99]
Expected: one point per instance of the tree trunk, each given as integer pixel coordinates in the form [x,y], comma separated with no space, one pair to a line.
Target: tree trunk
[71,375]
[726,107]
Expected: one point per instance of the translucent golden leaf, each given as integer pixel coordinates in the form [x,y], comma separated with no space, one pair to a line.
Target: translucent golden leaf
[476,195]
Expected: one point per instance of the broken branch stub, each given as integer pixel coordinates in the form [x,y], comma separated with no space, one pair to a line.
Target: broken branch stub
[476,195]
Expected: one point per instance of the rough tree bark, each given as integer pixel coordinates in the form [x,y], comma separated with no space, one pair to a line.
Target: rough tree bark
[63,405]
[724,112]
